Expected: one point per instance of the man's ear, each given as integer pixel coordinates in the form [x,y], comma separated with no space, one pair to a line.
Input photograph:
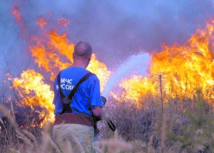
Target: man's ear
[89,58]
[88,61]
[73,55]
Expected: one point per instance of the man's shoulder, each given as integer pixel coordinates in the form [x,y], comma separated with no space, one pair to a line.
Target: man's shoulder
[74,70]
[77,72]
[93,76]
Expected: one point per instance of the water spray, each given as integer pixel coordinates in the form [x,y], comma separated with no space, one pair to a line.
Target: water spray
[137,63]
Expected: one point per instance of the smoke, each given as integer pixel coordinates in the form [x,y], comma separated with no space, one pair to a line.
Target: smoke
[116,29]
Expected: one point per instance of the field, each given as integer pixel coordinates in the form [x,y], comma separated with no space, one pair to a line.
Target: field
[182,126]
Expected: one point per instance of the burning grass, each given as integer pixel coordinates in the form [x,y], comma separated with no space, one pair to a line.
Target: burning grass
[185,126]
[176,72]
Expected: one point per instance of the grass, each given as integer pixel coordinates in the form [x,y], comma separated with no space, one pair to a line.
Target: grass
[185,126]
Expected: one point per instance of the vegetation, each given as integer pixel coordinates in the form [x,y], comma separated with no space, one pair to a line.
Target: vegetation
[182,126]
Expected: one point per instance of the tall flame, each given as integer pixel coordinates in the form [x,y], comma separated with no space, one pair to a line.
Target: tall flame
[185,68]
[189,67]
[52,53]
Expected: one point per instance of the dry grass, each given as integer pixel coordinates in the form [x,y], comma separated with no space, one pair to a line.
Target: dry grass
[28,143]
[139,130]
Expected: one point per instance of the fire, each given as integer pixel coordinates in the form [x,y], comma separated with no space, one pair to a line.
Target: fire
[137,86]
[56,53]
[100,70]
[184,69]
[190,67]
[53,52]
[35,92]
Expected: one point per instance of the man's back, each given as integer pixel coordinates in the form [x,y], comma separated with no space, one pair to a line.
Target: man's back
[86,96]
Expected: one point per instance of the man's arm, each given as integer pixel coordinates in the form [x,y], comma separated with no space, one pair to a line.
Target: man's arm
[97,111]
[95,98]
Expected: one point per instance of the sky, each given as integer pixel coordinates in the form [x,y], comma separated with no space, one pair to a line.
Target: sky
[116,29]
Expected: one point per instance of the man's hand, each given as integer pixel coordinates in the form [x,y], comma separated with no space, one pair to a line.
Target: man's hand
[97,113]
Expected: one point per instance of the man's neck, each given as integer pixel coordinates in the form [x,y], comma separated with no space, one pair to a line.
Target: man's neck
[80,64]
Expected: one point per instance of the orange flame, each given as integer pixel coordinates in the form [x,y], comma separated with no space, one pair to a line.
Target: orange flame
[189,67]
[53,52]
[100,70]
[136,87]
[185,70]
[35,92]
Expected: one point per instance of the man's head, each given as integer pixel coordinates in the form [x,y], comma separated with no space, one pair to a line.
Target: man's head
[82,52]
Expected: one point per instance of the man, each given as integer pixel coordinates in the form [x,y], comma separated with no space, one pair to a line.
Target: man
[86,105]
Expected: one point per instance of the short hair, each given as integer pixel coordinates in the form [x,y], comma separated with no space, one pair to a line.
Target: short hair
[82,50]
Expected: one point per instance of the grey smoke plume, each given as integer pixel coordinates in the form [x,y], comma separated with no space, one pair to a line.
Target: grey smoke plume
[116,29]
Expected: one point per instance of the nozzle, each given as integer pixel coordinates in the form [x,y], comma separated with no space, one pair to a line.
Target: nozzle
[103,100]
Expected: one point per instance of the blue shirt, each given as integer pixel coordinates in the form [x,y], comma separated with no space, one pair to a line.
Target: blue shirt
[85,98]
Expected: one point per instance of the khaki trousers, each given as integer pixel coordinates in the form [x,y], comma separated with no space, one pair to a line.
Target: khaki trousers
[74,138]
